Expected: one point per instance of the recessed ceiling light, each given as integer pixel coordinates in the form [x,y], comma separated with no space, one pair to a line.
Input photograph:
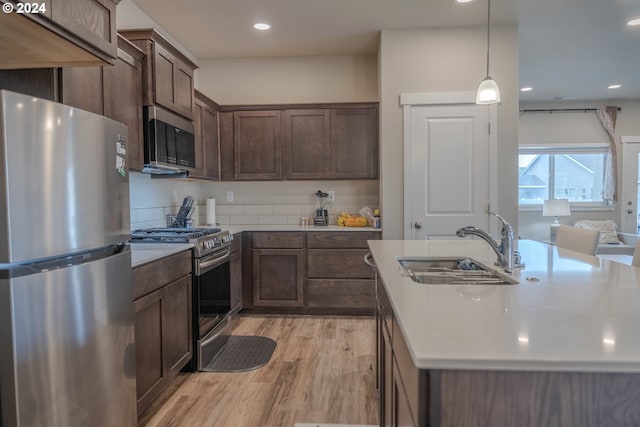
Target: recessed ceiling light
[634,22]
[261,26]
[614,86]
[526,89]
[464,1]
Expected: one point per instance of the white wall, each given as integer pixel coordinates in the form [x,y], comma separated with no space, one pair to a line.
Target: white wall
[345,78]
[130,16]
[445,60]
[577,128]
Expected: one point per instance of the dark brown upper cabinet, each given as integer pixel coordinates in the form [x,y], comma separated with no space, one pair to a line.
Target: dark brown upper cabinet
[307,144]
[319,141]
[126,103]
[354,143]
[111,91]
[65,33]
[257,151]
[205,121]
[168,74]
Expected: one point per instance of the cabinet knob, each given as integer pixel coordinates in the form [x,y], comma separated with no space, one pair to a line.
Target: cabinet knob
[418,225]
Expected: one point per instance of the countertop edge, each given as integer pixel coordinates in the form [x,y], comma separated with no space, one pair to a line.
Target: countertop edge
[144,253]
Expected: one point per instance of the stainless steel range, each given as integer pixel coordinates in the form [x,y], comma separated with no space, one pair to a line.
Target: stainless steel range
[211,284]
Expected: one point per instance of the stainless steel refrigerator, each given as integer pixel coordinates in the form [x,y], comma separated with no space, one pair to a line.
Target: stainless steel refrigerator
[67,355]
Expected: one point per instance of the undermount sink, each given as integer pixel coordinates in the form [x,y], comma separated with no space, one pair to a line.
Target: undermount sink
[451,271]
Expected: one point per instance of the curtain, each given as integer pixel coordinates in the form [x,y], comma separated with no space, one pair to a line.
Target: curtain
[607,116]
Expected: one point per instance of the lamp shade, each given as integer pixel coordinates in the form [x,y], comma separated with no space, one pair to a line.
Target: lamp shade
[557,207]
[488,92]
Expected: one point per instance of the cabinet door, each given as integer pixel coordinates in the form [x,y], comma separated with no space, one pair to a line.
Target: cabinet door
[150,373]
[236,280]
[401,416]
[87,88]
[257,145]
[307,144]
[183,89]
[278,277]
[92,20]
[386,381]
[211,146]
[199,140]
[126,104]
[177,331]
[164,78]
[354,143]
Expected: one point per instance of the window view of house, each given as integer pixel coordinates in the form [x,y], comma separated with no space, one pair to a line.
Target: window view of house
[545,173]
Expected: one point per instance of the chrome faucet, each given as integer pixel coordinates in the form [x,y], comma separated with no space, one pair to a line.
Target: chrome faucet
[504,250]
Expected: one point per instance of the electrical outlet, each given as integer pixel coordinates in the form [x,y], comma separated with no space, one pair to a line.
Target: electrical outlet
[332,195]
[229,196]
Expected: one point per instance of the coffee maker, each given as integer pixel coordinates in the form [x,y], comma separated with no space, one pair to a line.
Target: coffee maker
[321,216]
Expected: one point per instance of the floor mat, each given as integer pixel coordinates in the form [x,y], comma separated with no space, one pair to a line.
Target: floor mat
[242,353]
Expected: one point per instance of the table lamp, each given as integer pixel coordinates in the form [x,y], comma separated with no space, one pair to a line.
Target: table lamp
[556,208]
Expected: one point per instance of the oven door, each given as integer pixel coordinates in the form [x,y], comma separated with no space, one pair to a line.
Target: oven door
[213,293]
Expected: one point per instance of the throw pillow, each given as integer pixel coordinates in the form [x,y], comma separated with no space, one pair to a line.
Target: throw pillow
[608,230]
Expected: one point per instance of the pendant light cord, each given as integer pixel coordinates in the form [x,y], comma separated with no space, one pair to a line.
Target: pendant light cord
[488,26]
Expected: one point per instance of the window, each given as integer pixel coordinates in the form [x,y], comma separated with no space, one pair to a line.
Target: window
[574,173]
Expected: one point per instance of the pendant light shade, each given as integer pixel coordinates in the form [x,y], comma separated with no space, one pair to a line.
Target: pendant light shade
[488,91]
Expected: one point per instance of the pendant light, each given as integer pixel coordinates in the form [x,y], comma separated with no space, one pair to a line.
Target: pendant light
[488,91]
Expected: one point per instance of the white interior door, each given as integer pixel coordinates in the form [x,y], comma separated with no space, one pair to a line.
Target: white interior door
[450,169]
[630,196]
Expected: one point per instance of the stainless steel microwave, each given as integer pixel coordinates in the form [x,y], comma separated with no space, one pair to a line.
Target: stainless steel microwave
[169,143]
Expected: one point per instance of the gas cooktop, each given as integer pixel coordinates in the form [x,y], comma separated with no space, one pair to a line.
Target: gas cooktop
[172,234]
[205,240]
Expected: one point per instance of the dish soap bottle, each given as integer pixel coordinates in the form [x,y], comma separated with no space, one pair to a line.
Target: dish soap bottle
[376,219]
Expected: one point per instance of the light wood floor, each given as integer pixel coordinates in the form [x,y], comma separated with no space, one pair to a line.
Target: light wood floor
[322,371]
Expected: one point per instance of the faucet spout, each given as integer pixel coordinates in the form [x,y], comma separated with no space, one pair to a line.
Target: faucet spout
[503,249]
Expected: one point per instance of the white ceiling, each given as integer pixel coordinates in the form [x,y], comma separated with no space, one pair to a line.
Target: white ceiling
[569,49]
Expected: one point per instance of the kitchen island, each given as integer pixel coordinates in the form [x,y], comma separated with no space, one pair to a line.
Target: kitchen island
[561,347]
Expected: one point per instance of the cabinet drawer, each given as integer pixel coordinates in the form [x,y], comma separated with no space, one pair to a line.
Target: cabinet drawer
[338,264]
[154,275]
[340,239]
[336,293]
[293,240]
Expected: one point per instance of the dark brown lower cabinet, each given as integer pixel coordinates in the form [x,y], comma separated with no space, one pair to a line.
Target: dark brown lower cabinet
[235,272]
[162,324]
[278,277]
[312,272]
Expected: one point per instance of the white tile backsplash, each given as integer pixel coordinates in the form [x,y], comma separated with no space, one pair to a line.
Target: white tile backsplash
[271,202]
[258,209]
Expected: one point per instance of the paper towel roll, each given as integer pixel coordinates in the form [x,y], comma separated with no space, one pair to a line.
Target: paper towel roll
[211,211]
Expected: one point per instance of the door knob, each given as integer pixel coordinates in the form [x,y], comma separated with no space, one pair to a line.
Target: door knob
[418,224]
[629,211]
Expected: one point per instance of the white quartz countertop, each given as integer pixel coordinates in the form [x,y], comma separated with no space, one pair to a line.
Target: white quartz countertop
[264,227]
[583,313]
[142,253]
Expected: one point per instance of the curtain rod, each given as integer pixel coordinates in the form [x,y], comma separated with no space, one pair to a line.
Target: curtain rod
[562,110]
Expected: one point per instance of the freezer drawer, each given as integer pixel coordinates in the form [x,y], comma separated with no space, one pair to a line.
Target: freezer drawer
[67,339]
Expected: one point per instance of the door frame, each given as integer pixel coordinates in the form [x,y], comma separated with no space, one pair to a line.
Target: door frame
[410,100]
[627,143]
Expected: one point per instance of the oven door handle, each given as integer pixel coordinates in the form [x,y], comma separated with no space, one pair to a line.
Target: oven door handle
[208,264]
